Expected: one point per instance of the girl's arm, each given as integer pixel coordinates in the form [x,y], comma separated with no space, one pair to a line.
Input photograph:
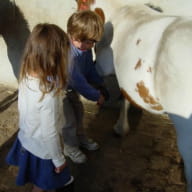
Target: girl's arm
[51,118]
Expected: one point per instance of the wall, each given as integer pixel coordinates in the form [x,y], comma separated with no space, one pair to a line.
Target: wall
[17,19]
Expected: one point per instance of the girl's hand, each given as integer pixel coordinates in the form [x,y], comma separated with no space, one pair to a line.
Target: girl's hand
[60,168]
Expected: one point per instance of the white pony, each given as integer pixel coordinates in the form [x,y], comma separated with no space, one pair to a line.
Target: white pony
[151,55]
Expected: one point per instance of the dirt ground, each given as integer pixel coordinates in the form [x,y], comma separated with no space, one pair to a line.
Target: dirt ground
[146,160]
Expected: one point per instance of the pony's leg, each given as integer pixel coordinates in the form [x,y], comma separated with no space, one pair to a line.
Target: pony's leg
[122,126]
[184,141]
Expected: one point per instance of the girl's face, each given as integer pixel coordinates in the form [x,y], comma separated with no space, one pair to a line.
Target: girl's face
[83,45]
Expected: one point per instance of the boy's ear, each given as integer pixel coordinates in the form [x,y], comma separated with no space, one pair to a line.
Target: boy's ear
[101,13]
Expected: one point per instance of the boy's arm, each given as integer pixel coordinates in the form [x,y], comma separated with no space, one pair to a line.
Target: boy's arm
[80,84]
[86,85]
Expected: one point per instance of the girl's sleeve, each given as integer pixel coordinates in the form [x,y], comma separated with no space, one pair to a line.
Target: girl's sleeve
[50,135]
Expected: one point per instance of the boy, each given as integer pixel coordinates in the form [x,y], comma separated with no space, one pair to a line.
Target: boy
[84,28]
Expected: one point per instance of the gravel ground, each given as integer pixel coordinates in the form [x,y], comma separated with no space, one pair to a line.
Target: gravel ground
[146,160]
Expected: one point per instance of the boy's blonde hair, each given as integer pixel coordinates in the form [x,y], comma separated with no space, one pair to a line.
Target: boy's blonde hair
[46,55]
[85,25]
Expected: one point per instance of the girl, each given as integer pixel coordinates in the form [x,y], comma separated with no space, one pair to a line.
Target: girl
[37,150]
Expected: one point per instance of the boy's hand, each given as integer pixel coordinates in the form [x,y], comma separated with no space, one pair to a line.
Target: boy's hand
[101,100]
[60,168]
[104,92]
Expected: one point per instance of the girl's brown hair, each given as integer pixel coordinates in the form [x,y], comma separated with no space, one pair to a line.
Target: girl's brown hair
[86,24]
[46,55]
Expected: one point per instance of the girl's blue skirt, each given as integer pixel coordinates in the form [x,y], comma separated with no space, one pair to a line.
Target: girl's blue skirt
[34,170]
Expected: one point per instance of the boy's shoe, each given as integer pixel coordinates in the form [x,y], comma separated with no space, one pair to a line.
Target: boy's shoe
[88,144]
[75,154]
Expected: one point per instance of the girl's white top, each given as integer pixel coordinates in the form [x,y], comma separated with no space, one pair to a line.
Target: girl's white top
[40,122]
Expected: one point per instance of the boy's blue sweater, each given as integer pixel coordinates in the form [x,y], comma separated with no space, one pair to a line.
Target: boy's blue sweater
[82,74]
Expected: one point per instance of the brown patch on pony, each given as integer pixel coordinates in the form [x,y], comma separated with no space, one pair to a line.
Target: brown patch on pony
[149,70]
[84,4]
[138,65]
[147,98]
[138,41]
